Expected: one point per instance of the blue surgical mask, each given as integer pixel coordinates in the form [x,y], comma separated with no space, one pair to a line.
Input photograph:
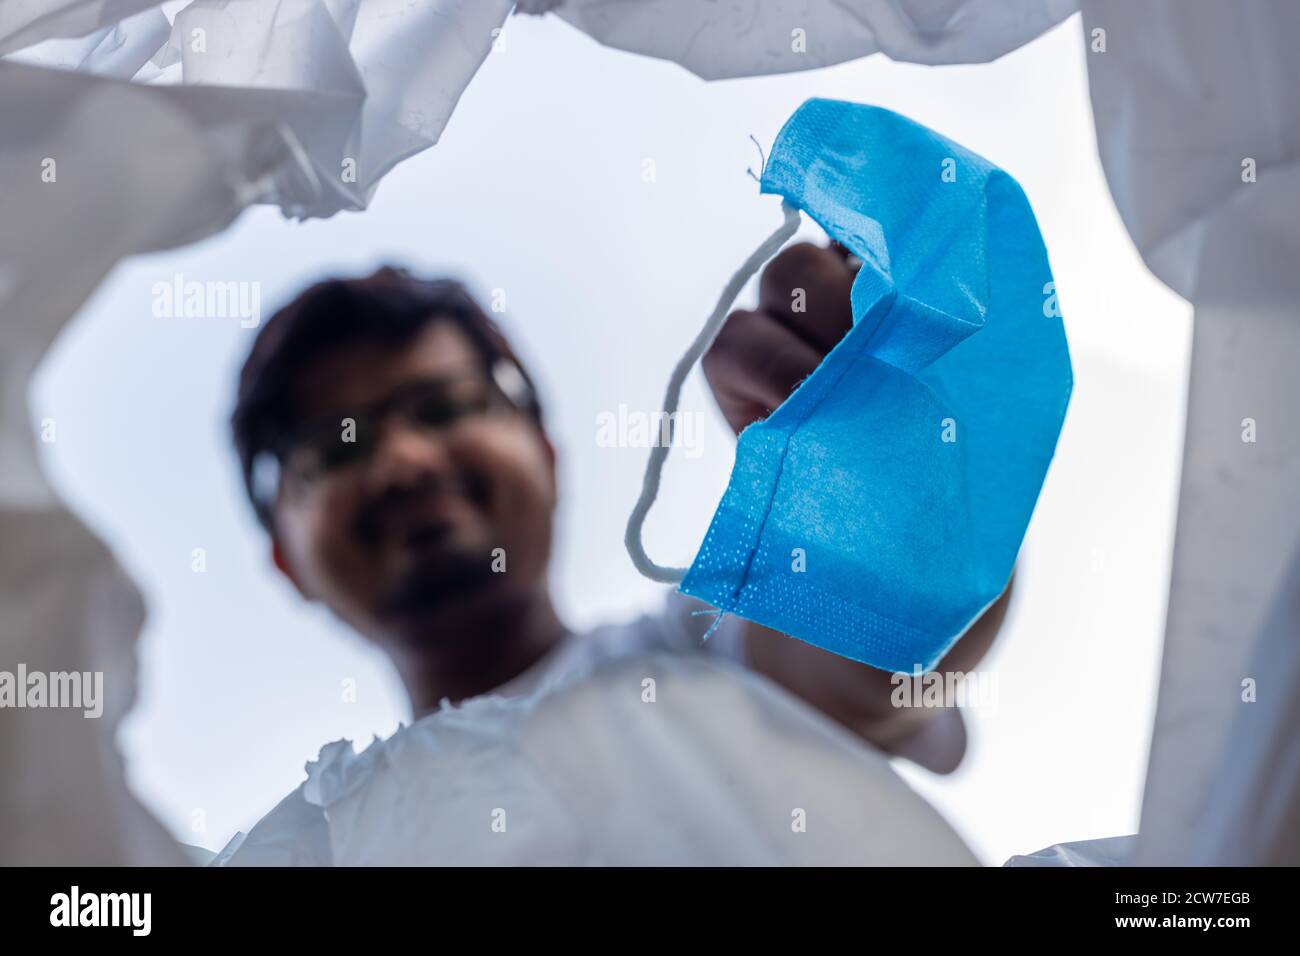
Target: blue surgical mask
[878,512]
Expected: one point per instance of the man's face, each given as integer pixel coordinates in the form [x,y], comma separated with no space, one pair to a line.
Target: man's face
[423,514]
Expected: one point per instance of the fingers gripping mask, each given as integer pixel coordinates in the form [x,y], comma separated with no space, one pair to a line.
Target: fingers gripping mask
[878,512]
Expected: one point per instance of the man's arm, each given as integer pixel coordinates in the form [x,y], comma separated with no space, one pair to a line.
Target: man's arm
[757,360]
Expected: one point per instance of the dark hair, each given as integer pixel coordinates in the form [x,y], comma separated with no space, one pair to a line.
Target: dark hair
[389,308]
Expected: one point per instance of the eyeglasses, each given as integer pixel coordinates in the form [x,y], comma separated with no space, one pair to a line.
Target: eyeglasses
[348,439]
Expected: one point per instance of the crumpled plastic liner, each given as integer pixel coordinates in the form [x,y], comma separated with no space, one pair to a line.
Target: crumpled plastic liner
[714,772]
[375,81]
[336,93]
[729,38]
[1187,92]
[904,469]
[65,604]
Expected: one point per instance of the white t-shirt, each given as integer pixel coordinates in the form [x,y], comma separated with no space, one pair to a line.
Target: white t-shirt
[680,626]
[637,744]
[295,832]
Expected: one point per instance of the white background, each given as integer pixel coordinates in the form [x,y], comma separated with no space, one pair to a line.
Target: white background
[537,189]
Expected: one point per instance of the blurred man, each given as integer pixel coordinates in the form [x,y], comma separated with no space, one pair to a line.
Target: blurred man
[394,449]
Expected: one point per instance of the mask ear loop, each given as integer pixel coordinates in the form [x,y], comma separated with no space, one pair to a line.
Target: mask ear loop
[659,453]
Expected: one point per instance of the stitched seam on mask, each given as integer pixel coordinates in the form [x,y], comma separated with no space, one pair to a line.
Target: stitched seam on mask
[878,638]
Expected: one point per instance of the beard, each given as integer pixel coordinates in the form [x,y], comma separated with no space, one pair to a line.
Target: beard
[435,582]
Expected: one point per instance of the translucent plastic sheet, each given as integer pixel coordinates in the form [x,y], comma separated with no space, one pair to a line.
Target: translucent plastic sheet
[747,37]
[1197,107]
[358,86]
[1184,93]
[64,602]
[307,106]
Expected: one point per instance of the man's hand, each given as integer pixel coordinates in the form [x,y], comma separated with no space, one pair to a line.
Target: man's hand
[755,363]
[803,310]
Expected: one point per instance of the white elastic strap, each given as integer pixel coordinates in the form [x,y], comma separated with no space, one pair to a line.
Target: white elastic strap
[659,453]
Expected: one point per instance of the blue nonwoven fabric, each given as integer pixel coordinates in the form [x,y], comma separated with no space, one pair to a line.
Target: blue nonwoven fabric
[879,510]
